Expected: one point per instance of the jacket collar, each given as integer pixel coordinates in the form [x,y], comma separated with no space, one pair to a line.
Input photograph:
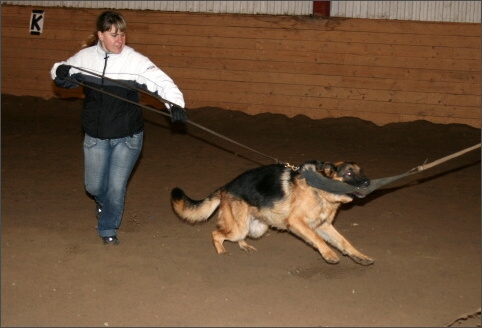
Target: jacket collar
[102,52]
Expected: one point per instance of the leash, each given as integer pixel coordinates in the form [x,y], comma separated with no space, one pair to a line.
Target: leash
[317,180]
[119,83]
[313,178]
[276,160]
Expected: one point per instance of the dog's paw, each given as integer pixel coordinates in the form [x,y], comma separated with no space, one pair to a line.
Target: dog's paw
[246,247]
[363,260]
[331,261]
[331,257]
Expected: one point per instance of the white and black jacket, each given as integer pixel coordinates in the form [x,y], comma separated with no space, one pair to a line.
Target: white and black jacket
[108,117]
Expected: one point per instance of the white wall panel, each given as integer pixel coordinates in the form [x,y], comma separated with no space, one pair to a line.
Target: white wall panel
[437,11]
[232,7]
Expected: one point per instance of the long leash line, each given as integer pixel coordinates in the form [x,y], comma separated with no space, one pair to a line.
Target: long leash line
[441,160]
[121,84]
[337,187]
[276,160]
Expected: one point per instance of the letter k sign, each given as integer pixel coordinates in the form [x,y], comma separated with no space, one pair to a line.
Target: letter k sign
[36,22]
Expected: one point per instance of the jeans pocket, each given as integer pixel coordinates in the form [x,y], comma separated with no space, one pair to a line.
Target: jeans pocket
[89,141]
[135,142]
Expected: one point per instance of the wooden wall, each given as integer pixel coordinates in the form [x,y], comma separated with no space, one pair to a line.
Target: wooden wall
[383,71]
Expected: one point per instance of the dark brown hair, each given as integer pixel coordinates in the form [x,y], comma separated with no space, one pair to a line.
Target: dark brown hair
[104,22]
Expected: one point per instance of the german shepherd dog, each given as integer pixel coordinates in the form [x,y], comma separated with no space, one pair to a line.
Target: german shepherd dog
[277,196]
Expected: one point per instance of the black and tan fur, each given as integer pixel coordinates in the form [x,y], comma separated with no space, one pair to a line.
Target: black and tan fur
[277,196]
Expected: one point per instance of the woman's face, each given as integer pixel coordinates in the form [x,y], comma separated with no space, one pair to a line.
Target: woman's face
[113,41]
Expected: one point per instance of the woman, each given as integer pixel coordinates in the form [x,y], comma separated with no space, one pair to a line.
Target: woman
[113,127]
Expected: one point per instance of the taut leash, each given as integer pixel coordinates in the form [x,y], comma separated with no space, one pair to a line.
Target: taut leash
[313,178]
[156,110]
[126,85]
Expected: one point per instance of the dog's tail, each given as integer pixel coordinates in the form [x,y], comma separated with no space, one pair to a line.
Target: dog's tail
[193,211]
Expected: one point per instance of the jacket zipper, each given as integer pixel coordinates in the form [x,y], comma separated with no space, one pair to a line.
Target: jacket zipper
[102,95]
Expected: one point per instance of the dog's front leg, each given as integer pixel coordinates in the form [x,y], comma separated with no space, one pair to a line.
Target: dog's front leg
[333,237]
[298,227]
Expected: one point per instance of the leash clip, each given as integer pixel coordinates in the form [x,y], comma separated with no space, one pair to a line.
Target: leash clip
[291,166]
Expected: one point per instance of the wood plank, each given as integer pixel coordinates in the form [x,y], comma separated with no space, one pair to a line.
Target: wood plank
[261,21]
[459,87]
[333,92]
[472,65]
[297,46]
[394,108]
[288,67]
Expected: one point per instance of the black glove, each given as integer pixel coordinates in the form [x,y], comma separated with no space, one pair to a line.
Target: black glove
[178,114]
[63,71]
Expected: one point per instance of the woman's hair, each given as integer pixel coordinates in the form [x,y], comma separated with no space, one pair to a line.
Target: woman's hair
[105,22]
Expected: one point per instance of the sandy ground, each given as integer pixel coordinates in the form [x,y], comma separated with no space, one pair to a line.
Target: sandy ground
[423,231]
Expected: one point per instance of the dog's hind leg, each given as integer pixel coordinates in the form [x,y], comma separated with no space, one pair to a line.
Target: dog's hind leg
[246,247]
[332,236]
[233,225]
[218,240]
[297,225]
[256,230]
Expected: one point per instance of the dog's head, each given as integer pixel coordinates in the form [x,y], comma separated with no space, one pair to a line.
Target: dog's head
[347,172]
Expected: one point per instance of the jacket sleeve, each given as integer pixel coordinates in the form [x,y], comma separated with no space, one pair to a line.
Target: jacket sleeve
[156,81]
[61,82]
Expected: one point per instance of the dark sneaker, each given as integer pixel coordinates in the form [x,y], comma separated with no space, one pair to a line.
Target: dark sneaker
[112,240]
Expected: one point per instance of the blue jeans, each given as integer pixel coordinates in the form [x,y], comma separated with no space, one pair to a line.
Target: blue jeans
[108,164]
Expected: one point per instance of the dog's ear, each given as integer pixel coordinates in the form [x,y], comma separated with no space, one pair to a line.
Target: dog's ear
[327,169]
[318,165]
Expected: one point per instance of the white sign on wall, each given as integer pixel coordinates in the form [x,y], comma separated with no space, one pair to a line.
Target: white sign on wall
[36,22]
